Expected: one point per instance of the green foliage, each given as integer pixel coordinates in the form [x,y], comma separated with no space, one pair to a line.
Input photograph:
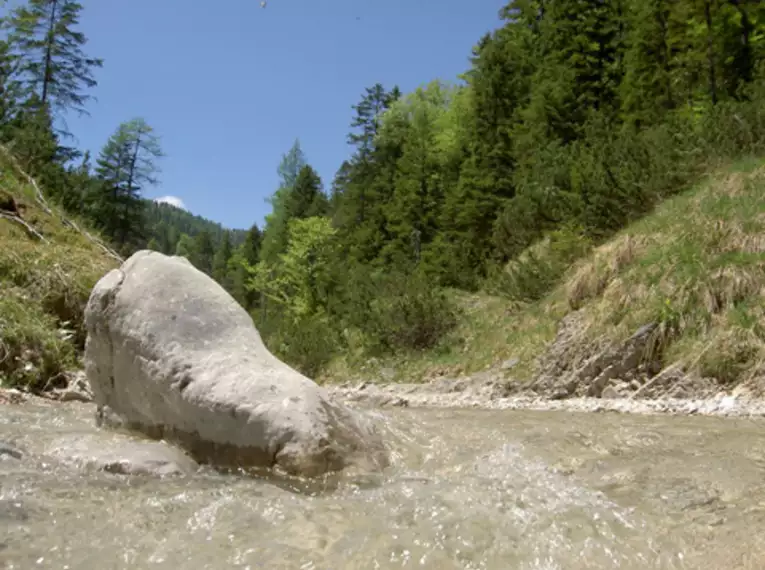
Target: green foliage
[574,119]
[165,223]
[300,282]
[220,261]
[538,269]
[295,318]
[203,252]
[408,313]
[185,247]
[275,231]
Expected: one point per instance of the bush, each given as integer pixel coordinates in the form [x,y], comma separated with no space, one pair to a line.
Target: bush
[307,344]
[409,312]
[537,270]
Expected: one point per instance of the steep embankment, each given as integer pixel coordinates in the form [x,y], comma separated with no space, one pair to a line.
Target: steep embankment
[48,265]
[671,307]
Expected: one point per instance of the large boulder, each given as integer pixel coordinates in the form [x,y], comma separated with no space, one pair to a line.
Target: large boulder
[170,353]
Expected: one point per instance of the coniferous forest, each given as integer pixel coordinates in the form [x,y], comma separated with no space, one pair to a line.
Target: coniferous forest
[572,119]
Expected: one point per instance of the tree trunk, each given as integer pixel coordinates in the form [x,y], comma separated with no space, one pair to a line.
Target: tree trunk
[131,178]
[710,52]
[745,64]
[50,38]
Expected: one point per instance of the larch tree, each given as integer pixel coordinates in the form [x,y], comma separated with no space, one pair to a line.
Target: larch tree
[126,166]
[52,64]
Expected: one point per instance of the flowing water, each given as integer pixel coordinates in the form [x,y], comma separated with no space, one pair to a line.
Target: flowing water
[466,489]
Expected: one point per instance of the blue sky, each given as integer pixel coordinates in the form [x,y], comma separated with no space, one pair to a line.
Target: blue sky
[229,85]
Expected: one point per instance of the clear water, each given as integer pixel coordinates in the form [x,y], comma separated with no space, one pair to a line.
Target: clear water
[466,489]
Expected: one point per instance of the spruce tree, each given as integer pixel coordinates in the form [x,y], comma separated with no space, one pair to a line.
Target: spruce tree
[306,199]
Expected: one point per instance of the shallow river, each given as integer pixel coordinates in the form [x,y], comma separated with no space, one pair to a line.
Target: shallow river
[466,489]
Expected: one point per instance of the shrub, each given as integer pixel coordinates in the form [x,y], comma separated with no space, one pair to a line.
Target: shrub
[409,312]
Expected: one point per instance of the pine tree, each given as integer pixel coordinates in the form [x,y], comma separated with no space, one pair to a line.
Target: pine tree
[126,165]
[52,63]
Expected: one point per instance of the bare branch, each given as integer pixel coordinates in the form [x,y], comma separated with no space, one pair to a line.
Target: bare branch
[31,181]
[30,230]
[40,198]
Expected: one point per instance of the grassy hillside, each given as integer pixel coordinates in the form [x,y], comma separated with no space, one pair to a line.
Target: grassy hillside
[694,268]
[47,269]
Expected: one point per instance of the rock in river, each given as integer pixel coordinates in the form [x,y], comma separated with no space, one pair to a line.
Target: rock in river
[7,450]
[128,457]
[172,354]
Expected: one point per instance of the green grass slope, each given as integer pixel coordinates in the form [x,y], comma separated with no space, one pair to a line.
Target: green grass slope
[48,266]
[695,266]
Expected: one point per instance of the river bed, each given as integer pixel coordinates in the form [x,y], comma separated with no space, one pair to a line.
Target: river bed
[467,489]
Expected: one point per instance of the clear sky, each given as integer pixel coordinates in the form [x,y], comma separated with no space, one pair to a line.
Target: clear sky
[229,85]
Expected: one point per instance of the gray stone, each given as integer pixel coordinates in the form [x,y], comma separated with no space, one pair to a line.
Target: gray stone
[129,457]
[610,393]
[7,450]
[171,352]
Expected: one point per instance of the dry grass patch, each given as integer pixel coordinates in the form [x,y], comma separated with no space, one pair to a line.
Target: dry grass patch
[696,267]
[591,278]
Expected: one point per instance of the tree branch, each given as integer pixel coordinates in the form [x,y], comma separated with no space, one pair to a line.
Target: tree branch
[31,181]
[30,230]
[40,198]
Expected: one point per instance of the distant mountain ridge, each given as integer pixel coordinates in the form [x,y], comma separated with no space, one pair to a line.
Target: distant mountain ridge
[166,223]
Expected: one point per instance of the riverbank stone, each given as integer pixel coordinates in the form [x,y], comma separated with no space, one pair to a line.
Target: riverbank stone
[172,354]
[123,457]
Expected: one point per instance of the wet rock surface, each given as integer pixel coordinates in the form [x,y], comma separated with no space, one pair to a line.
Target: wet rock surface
[171,354]
[9,451]
[128,457]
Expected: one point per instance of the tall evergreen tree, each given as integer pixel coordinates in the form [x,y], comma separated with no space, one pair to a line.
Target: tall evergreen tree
[306,199]
[366,182]
[126,165]
[52,64]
